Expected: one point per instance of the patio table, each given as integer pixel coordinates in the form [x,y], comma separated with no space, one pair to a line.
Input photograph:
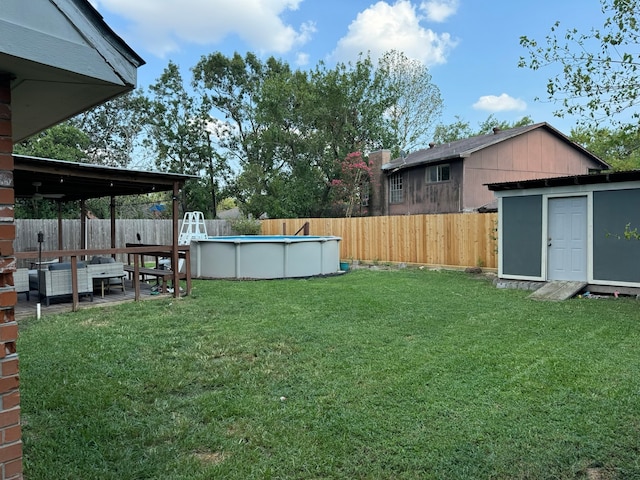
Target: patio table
[106,277]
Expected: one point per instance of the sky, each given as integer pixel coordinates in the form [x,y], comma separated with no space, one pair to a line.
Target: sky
[471,47]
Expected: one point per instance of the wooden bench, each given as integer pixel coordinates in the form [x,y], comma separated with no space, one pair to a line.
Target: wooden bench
[161,275]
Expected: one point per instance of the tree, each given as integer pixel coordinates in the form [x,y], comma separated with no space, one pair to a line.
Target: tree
[461,129]
[352,188]
[286,128]
[114,129]
[178,132]
[599,76]
[620,147]
[417,103]
[61,142]
[64,141]
[454,131]
[230,86]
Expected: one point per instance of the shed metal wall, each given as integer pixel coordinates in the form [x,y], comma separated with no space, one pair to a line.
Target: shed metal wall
[614,257]
[521,226]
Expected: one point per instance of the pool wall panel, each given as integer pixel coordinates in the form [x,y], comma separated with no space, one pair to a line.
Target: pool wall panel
[265,257]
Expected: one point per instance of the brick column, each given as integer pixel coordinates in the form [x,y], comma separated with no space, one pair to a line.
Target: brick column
[10,432]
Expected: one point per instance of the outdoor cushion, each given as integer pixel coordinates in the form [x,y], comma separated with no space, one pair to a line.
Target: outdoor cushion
[64,266]
[97,260]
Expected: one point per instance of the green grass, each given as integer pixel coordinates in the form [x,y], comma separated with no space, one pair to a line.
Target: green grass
[372,375]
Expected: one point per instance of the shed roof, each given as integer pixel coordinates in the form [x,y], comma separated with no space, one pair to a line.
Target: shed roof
[465,147]
[587,179]
[62,59]
[70,181]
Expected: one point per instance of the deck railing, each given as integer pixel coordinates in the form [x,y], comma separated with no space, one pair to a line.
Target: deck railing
[136,253]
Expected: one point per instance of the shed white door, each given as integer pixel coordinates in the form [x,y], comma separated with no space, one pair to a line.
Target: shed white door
[567,243]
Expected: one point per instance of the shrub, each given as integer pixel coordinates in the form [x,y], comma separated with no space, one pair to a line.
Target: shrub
[246,226]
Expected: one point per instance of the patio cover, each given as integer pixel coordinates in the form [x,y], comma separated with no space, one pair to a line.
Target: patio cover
[68,181]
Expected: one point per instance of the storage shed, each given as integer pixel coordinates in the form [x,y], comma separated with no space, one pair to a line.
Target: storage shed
[570,228]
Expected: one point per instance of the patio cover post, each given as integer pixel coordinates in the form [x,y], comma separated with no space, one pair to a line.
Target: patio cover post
[83,224]
[174,241]
[112,215]
[74,283]
[60,235]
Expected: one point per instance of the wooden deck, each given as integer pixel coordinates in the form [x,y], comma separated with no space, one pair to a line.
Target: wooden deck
[27,308]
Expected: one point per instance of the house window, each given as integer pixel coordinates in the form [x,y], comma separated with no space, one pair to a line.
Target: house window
[395,188]
[364,194]
[438,173]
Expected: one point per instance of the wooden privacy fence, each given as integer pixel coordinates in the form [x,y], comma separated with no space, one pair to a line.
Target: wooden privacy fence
[156,232]
[458,240]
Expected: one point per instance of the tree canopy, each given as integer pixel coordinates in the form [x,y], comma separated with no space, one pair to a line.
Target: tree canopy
[596,72]
[280,141]
[619,147]
[461,129]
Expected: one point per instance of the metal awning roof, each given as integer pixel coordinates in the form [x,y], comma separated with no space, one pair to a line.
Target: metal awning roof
[68,181]
[586,179]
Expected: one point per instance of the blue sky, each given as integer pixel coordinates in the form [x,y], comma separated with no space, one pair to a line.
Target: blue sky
[470,46]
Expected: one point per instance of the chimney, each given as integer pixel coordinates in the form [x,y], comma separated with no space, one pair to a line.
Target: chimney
[495,130]
[378,192]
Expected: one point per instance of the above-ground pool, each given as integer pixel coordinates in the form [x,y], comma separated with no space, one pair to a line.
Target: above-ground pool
[265,256]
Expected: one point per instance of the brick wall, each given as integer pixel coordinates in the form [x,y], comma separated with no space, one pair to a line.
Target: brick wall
[10,433]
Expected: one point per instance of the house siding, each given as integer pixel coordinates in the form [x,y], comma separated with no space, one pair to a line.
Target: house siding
[421,197]
[536,154]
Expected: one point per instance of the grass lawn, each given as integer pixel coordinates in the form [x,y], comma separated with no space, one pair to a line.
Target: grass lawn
[405,374]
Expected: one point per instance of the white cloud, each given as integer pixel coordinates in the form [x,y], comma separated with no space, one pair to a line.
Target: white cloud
[383,27]
[502,103]
[439,10]
[302,59]
[161,25]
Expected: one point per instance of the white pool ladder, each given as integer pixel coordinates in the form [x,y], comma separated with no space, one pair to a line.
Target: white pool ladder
[193,227]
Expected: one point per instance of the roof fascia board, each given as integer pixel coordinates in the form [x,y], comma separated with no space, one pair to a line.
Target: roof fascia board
[115,52]
[457,156]
[87,170]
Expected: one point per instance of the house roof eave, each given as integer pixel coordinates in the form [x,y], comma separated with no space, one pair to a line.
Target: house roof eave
[402,166]
[61,62]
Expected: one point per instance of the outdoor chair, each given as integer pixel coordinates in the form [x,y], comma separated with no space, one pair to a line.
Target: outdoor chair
[55,281]
[21,281]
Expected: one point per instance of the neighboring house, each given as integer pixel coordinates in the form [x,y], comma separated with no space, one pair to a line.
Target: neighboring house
[570,228]
[451,177]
